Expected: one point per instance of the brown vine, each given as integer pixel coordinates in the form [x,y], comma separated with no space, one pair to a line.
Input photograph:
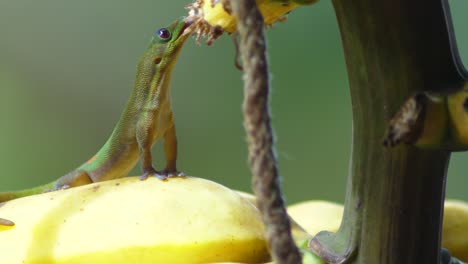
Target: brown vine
[257,123]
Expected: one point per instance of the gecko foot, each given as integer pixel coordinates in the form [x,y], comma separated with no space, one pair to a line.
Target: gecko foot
[162,175]
[57,188]
[153,173]
[173,173]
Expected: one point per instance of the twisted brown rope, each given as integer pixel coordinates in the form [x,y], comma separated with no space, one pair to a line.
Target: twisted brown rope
[263,164]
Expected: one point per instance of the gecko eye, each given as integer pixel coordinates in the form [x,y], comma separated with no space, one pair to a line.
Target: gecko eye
[164,33]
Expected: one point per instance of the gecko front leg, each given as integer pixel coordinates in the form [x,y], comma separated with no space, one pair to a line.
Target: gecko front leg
[145,138]
[170,151]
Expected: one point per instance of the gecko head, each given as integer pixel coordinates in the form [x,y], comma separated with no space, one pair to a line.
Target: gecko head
[168,41]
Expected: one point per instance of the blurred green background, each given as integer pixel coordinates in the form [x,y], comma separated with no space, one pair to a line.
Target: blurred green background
[67,67]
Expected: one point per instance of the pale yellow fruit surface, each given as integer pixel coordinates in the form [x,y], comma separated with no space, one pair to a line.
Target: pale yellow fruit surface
[181,220]
[298,232]
[248,196]
[458,115]
[455,229]
[315,216]
[307,258]
[271,11]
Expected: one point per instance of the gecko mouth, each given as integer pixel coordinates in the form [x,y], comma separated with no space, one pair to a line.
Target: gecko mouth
[184,30]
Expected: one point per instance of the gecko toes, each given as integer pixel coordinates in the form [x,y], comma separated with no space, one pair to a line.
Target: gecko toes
[153,173]
[162,175]
[173,174]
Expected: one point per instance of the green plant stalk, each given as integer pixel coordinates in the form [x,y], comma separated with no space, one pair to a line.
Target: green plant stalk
[393,207]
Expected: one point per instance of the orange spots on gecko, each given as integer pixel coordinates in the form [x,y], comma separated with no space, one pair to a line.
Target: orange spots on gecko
[92,159]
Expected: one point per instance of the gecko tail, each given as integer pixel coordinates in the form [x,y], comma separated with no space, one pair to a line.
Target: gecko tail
[7,196]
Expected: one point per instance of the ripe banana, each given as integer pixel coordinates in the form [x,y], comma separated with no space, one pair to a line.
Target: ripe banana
[455,229]
[213,17]
[179,221]
[315,216]
[433,121]
[183,220]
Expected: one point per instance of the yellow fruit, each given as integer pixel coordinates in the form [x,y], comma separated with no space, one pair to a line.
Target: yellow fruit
[458,115]
[298,232]
[216,15]
[315,216]
[182,220]
[248,196]
[455,229]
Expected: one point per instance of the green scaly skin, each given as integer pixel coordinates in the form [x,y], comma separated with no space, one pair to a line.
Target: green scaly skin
[146,118]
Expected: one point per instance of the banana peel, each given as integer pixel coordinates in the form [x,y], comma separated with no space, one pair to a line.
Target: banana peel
[315,216]
[187,220]
[213,17]
[182,220]
[455,229]
[299,233]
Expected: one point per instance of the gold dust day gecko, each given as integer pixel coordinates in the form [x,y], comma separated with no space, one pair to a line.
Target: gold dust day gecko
[147,117]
